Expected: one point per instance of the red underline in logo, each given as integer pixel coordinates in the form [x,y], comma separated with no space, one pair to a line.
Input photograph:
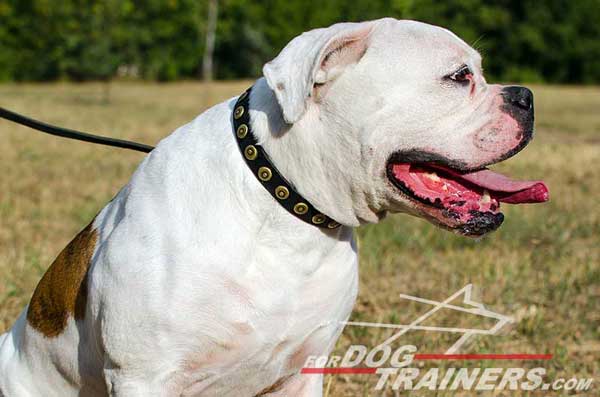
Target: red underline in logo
[338,370]
[517,356]
[453,357]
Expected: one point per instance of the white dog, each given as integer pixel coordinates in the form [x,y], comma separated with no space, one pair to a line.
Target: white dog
[203,278]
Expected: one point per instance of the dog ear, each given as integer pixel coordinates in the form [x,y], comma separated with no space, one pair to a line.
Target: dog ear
[310,61]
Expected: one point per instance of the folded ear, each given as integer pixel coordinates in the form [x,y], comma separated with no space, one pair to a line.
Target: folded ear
[314,58]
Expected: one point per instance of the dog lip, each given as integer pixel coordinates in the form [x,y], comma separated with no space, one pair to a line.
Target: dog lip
[398,184]
[479,224]
[420,156]
[456,197]
[425,157]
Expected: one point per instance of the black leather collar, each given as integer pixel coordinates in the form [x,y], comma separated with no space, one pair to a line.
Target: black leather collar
[267,174]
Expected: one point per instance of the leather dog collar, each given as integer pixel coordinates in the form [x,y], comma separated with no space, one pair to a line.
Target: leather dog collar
[267,174]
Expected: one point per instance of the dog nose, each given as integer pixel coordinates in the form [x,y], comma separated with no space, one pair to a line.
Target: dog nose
[520,97]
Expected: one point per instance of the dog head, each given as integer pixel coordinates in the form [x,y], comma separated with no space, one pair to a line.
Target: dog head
[396,116]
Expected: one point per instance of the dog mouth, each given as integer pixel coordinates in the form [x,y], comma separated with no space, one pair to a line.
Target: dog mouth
[466,202]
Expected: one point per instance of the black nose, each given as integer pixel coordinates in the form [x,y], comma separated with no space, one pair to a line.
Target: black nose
[520,97]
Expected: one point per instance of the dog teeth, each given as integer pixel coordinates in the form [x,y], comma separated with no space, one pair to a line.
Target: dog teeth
[486,198]
[433,176]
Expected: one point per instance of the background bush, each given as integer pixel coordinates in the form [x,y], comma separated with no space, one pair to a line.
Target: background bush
[554,41]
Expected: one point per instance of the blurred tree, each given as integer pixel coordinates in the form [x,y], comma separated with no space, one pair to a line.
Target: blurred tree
[211,27]
[162,38]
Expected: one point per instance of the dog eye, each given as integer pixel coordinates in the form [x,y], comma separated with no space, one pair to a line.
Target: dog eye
[462,75]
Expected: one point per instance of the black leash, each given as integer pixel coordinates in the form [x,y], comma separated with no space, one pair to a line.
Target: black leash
[255,156]
[72,134]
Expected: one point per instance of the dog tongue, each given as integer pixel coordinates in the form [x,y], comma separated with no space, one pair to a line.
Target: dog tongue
[505,189]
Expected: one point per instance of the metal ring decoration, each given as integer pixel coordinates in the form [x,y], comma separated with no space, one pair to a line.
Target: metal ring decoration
[267,174]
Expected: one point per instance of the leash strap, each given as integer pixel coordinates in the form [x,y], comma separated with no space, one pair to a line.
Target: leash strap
[267,174]
[255,156]
[72,134]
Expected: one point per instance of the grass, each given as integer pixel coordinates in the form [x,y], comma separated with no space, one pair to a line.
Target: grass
[541,267]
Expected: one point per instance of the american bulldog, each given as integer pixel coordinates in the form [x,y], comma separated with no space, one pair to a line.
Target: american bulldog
[229,257]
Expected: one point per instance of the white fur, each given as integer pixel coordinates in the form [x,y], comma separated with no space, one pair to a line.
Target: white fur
[201,284]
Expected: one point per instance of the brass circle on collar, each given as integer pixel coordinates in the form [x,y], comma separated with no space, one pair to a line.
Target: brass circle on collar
[264,174]
[282,192]
[242,131]
[333,225]
[250,152]
[239,111]
[318,219]
[301,208]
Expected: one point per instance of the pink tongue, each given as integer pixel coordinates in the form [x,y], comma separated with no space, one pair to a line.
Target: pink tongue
[505,189]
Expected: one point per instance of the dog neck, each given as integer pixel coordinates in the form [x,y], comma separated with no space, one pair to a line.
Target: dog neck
[308,155]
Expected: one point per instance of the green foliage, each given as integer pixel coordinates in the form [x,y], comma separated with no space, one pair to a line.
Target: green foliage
[521,40]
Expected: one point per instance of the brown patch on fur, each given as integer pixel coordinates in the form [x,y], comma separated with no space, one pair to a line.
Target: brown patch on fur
[63,289]
[275,387]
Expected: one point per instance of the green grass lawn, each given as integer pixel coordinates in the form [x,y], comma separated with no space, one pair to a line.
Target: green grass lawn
[542,267]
